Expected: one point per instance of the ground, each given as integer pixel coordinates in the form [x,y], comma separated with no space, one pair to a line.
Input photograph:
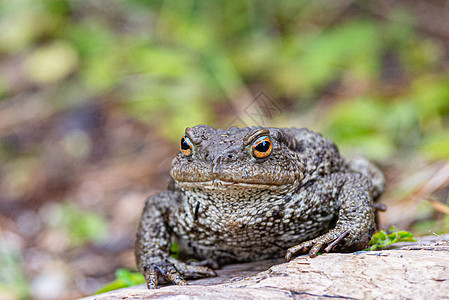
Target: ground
[419,271]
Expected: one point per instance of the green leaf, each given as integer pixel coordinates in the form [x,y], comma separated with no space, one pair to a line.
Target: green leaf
[129,278]
[175,250]
[112,286]
[381,239]
[124,278]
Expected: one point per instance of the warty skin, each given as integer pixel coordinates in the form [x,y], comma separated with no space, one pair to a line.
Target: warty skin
[229,202]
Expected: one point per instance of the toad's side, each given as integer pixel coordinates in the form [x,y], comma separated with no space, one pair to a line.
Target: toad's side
[255,193]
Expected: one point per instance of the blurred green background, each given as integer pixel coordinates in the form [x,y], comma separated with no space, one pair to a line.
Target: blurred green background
[94,96]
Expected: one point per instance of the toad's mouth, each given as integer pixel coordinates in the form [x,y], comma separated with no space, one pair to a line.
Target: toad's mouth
[222,184]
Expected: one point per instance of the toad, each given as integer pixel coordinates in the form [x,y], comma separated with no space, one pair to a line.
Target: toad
[255,193]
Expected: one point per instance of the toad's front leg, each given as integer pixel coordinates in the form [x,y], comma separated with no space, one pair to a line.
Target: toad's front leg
[355,223]
[153,243]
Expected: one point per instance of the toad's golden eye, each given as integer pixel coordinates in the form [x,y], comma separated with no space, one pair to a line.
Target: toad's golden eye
[186,146]
[262,147]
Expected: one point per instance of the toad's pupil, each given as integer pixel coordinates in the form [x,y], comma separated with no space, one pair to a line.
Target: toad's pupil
[263,146]
[184,144]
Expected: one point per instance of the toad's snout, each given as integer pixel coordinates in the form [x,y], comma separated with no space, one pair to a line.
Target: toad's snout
[229,155]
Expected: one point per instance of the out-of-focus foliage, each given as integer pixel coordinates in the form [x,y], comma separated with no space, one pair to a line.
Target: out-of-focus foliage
[79,226]
[12,281]
[82,81]
[430,225]
[165,61]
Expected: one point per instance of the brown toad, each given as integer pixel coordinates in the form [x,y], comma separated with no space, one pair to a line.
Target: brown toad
[254,193]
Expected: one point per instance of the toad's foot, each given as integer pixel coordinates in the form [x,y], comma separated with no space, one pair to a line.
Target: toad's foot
[355,224]
[331,239]
[174,271]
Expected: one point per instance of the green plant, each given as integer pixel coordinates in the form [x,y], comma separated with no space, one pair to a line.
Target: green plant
[381,239]
[124,278]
